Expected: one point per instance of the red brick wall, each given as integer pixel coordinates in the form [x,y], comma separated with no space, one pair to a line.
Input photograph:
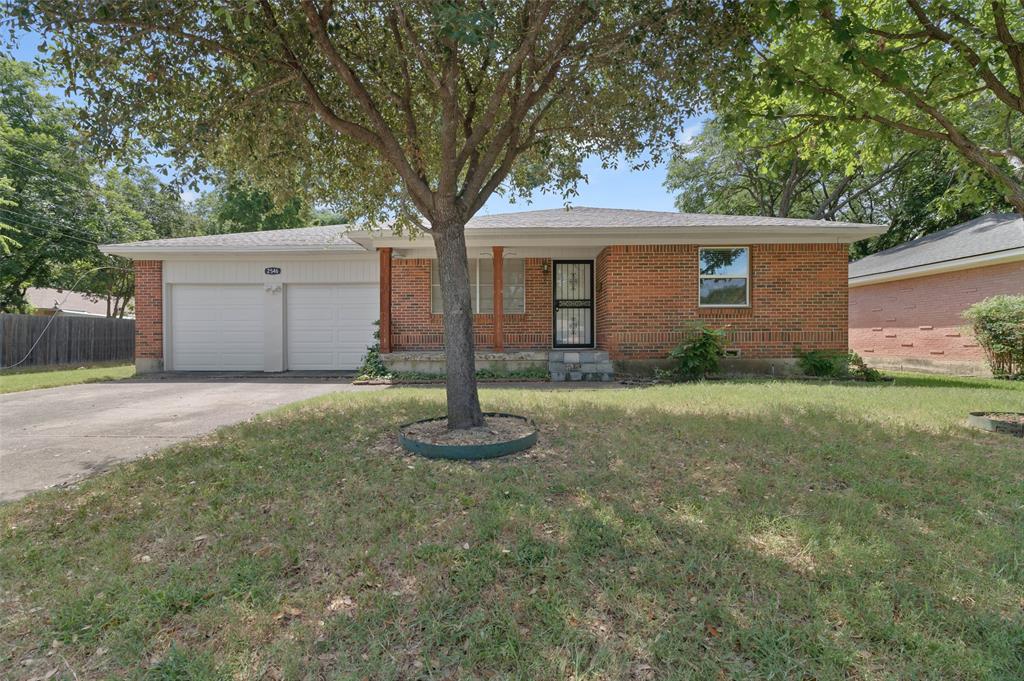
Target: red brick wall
[798,300]
[149,309]
[646,293]
[413,327]
[920,318]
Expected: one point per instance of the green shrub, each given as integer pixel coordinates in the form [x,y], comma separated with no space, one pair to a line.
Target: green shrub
[825,363]
[859,369]
[698,354]
[998,325]
[836,364]
[373,366]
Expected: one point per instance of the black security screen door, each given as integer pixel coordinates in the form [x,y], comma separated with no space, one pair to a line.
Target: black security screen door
[574,304]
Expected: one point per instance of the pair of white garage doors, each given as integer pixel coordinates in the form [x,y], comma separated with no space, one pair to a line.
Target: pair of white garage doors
[227,327]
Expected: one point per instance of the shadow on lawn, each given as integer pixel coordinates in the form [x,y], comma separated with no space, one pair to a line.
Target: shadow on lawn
[637,540]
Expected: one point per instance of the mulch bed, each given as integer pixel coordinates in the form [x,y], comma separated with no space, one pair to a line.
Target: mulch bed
[496,429]
[1006,417]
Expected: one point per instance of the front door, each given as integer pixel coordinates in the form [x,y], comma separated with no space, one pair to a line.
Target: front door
[574,304]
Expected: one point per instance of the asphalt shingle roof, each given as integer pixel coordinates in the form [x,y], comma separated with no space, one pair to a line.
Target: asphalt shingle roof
[596,218]
[332,237]
[988,234]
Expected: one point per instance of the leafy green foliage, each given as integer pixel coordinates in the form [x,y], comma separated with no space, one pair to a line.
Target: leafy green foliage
[824,363]
[998,325]
[698,354]
[928,195]
[860,370]
[836,364]
[762,169]
[58,203]
[237,207]
[415,112]
[373,365]
[857,76]
[377,109]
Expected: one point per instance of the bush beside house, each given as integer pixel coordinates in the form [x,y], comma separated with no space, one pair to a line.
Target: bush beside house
[998,325]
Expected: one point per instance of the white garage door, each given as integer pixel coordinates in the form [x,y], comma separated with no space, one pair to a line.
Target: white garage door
[217,328]
[329,326]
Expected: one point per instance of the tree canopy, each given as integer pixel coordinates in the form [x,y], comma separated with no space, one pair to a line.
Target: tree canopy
[915,188]
[417,110]
[389,107]
[936,71]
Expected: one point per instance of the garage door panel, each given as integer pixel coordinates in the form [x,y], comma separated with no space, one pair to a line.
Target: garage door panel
[217,327]
[330,326]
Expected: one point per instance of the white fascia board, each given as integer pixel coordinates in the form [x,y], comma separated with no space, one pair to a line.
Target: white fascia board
[974,261]
[648,236]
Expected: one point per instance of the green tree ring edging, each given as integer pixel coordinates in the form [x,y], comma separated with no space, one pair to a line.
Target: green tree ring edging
[468,452]
[981,419]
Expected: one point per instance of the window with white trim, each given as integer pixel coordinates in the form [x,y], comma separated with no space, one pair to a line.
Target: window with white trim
[481,286]
[724,277]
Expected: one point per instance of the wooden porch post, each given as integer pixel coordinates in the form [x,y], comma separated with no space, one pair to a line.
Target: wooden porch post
[385,299]
[499,298]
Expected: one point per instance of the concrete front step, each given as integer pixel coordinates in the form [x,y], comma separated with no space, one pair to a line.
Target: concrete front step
[580,365]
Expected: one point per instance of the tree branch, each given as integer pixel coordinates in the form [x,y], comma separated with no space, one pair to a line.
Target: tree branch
[417,184]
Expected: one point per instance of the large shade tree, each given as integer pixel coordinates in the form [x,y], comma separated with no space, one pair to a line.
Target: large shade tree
[414,111]
[936,71]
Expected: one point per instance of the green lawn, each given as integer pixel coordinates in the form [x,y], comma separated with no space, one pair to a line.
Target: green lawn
[746,530]
[47,377]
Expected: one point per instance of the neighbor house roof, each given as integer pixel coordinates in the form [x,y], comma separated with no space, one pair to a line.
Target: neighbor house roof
[68,302]
[987,240]
[571,226]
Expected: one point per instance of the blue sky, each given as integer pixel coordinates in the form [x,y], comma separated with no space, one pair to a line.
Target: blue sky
[605,187]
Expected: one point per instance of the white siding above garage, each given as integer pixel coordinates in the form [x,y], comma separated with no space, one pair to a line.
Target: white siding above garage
[339,270]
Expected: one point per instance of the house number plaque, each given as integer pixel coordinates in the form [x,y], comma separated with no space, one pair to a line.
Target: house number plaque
[271,270]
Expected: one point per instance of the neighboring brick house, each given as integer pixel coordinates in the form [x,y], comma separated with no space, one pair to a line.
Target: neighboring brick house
[585,286]
[907,303]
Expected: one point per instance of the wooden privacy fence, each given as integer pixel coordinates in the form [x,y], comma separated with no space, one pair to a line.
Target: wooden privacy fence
[67,340]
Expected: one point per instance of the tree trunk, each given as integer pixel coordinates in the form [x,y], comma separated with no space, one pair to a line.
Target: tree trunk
[453,269]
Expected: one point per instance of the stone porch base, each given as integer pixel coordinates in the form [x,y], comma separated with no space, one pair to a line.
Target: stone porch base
[433,361]
[580,365]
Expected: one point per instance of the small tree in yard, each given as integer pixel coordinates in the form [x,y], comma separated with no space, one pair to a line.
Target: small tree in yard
[415,111]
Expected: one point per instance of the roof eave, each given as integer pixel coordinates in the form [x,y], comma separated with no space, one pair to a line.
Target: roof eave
[969,262]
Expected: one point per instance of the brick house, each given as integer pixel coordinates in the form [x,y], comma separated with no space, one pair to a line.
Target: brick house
[576,290]
[906,303]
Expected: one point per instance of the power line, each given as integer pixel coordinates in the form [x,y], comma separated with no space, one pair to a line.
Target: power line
[87,189]
[57,313]
[39,232]
[36,145]
[46,219]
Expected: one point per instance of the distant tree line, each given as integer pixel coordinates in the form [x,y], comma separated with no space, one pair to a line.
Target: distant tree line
[58,202]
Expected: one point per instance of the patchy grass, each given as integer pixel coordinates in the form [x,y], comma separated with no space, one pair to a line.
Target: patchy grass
[16,380]
[742,529]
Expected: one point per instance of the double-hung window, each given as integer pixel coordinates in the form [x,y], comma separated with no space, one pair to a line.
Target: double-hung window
[481,286]
[724,277]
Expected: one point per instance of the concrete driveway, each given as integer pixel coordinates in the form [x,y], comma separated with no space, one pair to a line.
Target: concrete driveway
[59,435]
